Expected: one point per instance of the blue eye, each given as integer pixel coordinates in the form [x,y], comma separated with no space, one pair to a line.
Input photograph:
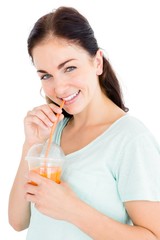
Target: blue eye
[70,69]
[46,76]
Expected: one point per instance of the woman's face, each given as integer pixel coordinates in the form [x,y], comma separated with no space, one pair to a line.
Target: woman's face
[67,72]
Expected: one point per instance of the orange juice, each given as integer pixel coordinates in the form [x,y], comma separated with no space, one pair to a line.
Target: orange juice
[51,172]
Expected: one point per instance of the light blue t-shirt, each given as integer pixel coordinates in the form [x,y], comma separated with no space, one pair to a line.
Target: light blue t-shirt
[122,164]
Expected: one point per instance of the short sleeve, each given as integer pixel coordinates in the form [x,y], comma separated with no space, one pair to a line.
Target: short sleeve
[138,173]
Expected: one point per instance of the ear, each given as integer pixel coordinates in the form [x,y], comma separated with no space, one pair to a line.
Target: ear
[99,62]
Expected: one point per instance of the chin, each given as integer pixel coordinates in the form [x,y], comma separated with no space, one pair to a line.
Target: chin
[72,111]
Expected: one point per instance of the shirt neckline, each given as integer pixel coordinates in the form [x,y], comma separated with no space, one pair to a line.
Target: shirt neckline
[110,128]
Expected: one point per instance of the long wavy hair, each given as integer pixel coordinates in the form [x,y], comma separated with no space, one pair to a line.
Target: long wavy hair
[69,24]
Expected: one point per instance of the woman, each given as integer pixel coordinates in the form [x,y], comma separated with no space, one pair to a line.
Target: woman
[110,188]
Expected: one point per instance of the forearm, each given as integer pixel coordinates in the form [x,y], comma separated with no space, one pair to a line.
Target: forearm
[100,227]
[19,209]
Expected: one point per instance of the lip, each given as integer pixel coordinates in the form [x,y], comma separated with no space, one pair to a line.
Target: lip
[71,96]
[71,100]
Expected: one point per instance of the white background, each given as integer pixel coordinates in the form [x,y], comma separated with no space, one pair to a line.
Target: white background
[127,30]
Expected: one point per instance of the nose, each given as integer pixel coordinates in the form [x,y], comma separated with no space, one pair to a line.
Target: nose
[59,86]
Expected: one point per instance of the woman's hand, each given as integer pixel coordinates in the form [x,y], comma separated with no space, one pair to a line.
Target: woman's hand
[59,202]
[52,199]
[38,123]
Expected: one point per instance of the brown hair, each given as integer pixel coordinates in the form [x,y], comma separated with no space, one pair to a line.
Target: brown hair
[69,24]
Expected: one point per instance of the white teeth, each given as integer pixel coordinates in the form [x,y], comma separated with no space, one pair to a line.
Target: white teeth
[70,97]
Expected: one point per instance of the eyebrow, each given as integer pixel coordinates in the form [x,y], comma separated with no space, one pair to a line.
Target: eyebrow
[61,65]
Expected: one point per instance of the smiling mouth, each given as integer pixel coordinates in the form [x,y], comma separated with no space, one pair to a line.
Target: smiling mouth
[71,97]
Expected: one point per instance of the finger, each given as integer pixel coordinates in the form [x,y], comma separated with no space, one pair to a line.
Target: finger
[30,198]
[55,108]
[35,178]
[39,115]
[33,119]
[58,116]
[61,116]
[49,111]
[46,113]
[31,188]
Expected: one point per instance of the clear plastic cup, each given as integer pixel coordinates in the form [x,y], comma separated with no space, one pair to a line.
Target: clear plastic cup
[51,166]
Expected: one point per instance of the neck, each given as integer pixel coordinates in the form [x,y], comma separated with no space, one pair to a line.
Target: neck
[100,111]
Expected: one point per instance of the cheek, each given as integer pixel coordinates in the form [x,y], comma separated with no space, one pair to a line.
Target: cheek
[88,81]
[48,89]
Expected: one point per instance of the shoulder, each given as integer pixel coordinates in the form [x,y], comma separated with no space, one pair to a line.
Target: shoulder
[135,141]
[136,167]
[131,128]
